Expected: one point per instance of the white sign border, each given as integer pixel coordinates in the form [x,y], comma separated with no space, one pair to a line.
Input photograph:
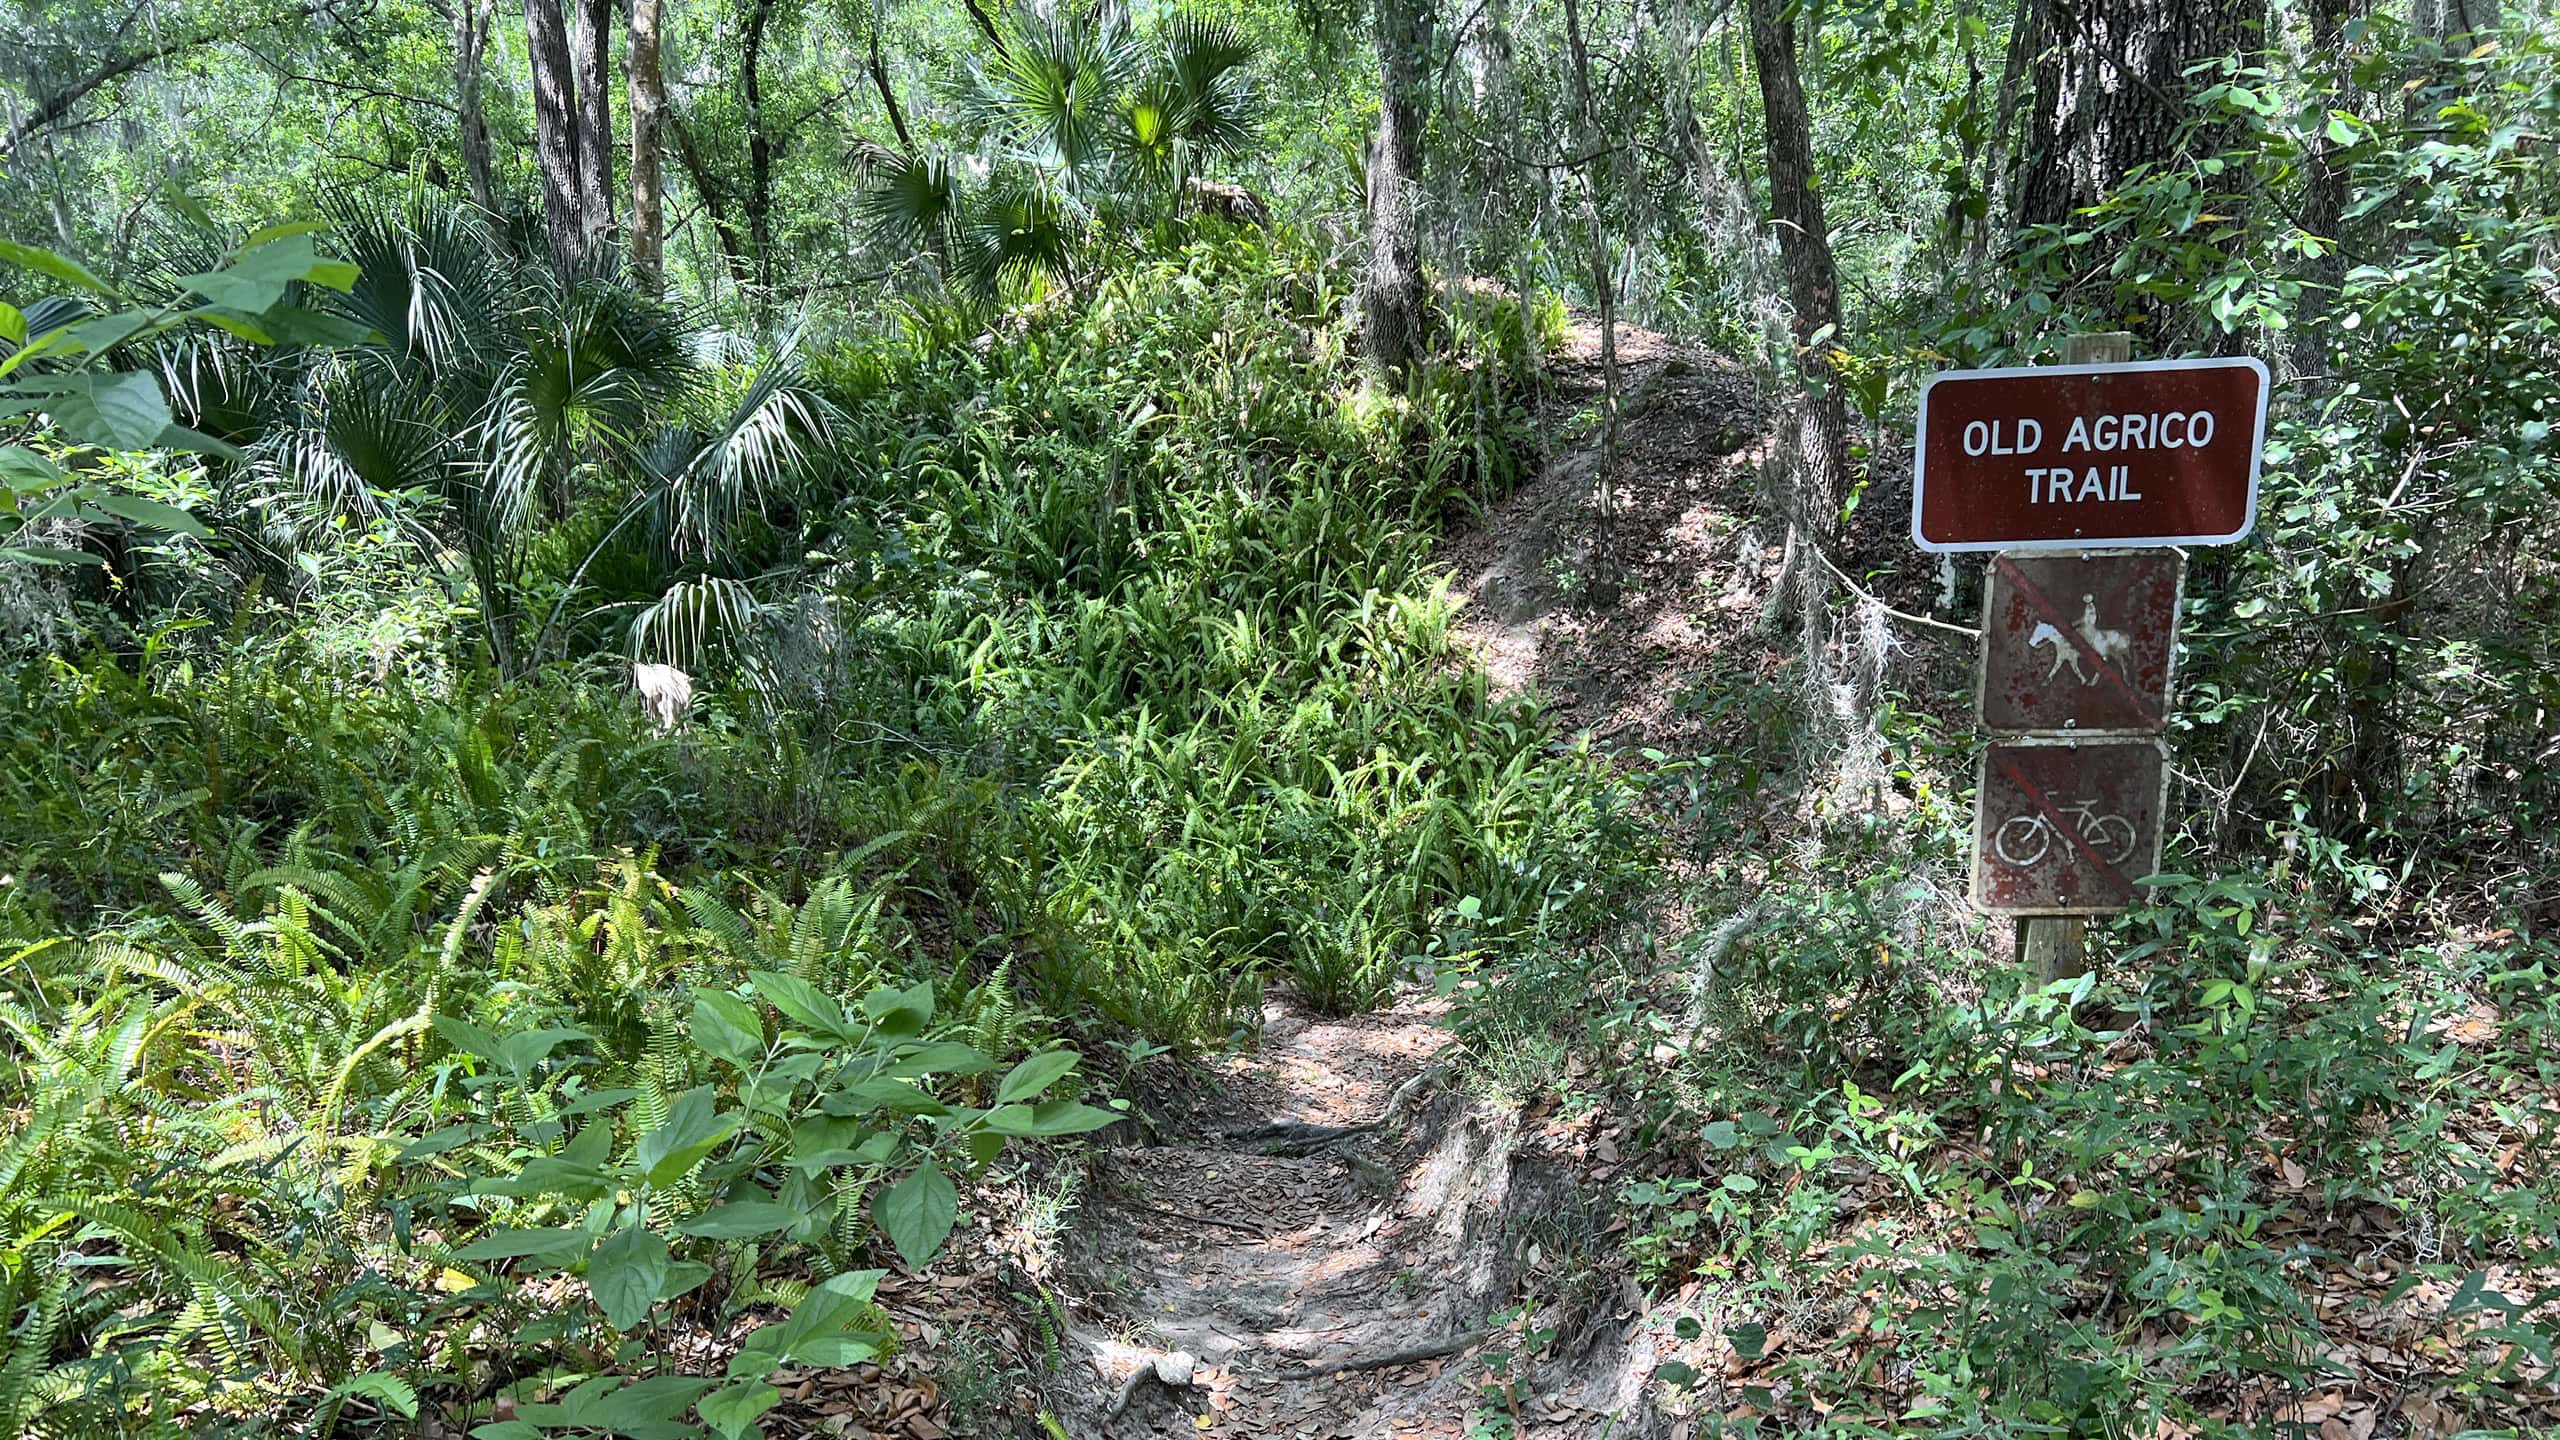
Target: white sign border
[2257,453]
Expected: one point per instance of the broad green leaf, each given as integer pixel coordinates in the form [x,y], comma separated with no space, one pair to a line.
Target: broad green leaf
[282,230]
[917,1214]
[521,1052]
[13,324]
[45,262]
[876,1094]
[728,1027]
[646,1403]
[468,1038]
[1721,1134]
[1068,1117]
[259,278]
[118,411]
[734,1407]
[742,1220]
[625,1274]
[236,323]
[667,1153]
[820,1330]
[900,1013]
[439,1141]
[802,1001]
[941,1057]
[24,470]
[152,515]
[106,332]
[293,325]
[1034,1075]
[179,437]
[559,1246]
[47,555]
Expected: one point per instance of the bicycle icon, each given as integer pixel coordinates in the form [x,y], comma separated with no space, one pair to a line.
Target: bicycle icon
[2024,840]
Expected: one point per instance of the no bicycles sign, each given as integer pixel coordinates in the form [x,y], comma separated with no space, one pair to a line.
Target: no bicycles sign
[2085,478]
[2064,827]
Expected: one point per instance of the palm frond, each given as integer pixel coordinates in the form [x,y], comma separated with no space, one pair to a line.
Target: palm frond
[1017,232]
[910,200]
[1049,92]
[427,281]
[692,620]
[708,479]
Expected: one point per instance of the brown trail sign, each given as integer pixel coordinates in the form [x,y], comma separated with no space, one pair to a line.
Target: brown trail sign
[2060,457]
[2051,466]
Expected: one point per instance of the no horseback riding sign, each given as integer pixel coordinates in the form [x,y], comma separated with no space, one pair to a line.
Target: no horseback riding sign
[2083,477]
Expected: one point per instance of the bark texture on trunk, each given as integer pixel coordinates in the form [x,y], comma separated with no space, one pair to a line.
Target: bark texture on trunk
[1813,280]
[2324,197]
[648,109]
[555,131]
[2112,91]
[2452,21]
[471,23]
[1392,299]
[759,144]
[591,54]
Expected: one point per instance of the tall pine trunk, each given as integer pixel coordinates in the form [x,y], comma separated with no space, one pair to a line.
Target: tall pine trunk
[555,132]
[590,58]
[1392,294]
[1821,425]
[648,108]
[471,21]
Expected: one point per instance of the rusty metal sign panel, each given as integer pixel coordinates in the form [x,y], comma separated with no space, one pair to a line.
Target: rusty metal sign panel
[2064,827]
[2067,457]
[2080,641]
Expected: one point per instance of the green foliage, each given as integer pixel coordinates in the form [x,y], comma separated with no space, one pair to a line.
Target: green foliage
[1081,684]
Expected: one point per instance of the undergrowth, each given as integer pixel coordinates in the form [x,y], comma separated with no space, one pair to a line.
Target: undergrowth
[388,1040]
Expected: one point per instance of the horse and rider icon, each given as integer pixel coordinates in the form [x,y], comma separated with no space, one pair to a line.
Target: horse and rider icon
[2114,647]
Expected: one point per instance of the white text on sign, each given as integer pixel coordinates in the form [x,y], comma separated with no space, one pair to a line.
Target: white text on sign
[2067,485]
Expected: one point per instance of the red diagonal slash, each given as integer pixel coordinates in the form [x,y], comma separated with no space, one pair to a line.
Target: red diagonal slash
[2044,606]
[2054,816]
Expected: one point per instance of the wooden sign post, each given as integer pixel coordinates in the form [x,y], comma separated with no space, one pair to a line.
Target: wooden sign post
[2056,947]
[2083,478]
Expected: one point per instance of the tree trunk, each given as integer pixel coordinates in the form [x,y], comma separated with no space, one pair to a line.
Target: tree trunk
[2324,198]
[715,204]
[2454,22]
[759,147]
[1392,297]
[1604,289]
[1813,280]
[2112,91]
[471,22]
[648,106]
[555,132]
[591,57]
